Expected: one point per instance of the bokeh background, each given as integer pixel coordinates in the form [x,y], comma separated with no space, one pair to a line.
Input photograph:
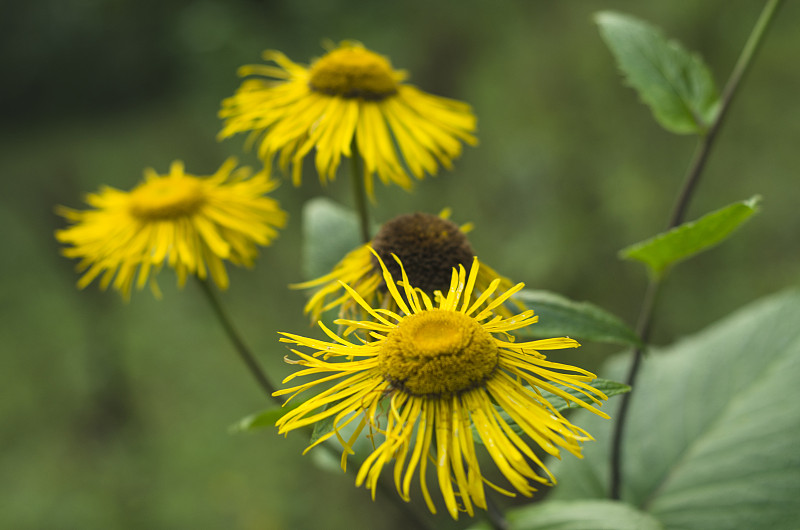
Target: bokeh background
[116,415]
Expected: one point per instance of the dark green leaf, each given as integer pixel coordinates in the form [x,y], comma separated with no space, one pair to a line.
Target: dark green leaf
[559,316]
[321,428]
[688,239]
[674,83]
[609,388]
[713,430]
[578,515]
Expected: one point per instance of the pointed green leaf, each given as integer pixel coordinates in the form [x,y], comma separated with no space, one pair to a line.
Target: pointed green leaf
[688,239]
[674,83]
[577,515]
[559,316]
[609,388]
[322,427]
[265,418]
[330,231]
[713,430]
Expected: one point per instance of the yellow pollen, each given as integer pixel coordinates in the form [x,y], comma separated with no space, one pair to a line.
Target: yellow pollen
[437,353]
[166,198]
[353,72]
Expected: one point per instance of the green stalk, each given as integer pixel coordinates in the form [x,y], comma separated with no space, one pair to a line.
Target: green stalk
[693,175]
[360,193]
[238,344]
[414,518]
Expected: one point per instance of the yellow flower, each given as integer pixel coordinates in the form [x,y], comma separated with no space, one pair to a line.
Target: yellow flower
[429,246]
[350,98]
[188,222]
[424,378]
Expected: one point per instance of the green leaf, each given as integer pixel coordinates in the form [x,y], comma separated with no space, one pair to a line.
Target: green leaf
[322,427]
[559,316]
[578,515]
[609,388]
[713,429]
[330,231]
[265,418]
[688,239]
[675,84]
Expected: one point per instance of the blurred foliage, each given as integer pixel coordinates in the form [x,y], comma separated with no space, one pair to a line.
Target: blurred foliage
[115,415]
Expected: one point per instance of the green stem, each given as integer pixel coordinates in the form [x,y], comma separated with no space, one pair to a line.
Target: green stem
[691,180]
[246,355]
[739,70]
[241,348]
[360,193]
[643,327]
[494,515]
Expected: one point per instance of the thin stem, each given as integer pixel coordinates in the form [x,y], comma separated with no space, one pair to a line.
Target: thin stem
[360,193]
[643,328]
[241,348]
[691,180]
[739,70]
[249,360]
[495,515]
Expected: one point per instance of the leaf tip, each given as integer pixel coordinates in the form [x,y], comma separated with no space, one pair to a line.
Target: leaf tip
[754,203]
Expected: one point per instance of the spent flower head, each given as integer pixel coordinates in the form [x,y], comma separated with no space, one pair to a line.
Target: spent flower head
[430,247]
[189,223]
[422,378]
[350,99]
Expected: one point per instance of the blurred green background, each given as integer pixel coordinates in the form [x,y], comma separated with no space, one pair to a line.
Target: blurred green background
[115,415]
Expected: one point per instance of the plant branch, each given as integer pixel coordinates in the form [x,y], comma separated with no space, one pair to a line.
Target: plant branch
[359,193]
[677,217]
[241,348]
[739,70]
[495,515]
[261,378]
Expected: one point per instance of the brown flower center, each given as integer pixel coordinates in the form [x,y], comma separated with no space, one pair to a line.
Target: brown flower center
[428,246]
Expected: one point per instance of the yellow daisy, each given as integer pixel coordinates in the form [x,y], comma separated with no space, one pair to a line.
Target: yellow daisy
[429,246]
[425,377]
[188,222]
[349,98]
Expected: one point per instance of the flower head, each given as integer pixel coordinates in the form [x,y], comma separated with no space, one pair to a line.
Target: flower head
[425,377]
[350,98]
[188,222]
[429,246]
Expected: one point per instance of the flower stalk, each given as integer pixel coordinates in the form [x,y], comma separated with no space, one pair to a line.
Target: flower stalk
[360,193]
[677,217]
[264,383]
[239,345]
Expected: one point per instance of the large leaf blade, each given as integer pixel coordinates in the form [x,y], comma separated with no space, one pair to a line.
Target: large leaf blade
[675,84]
[713,430]
[578,515]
